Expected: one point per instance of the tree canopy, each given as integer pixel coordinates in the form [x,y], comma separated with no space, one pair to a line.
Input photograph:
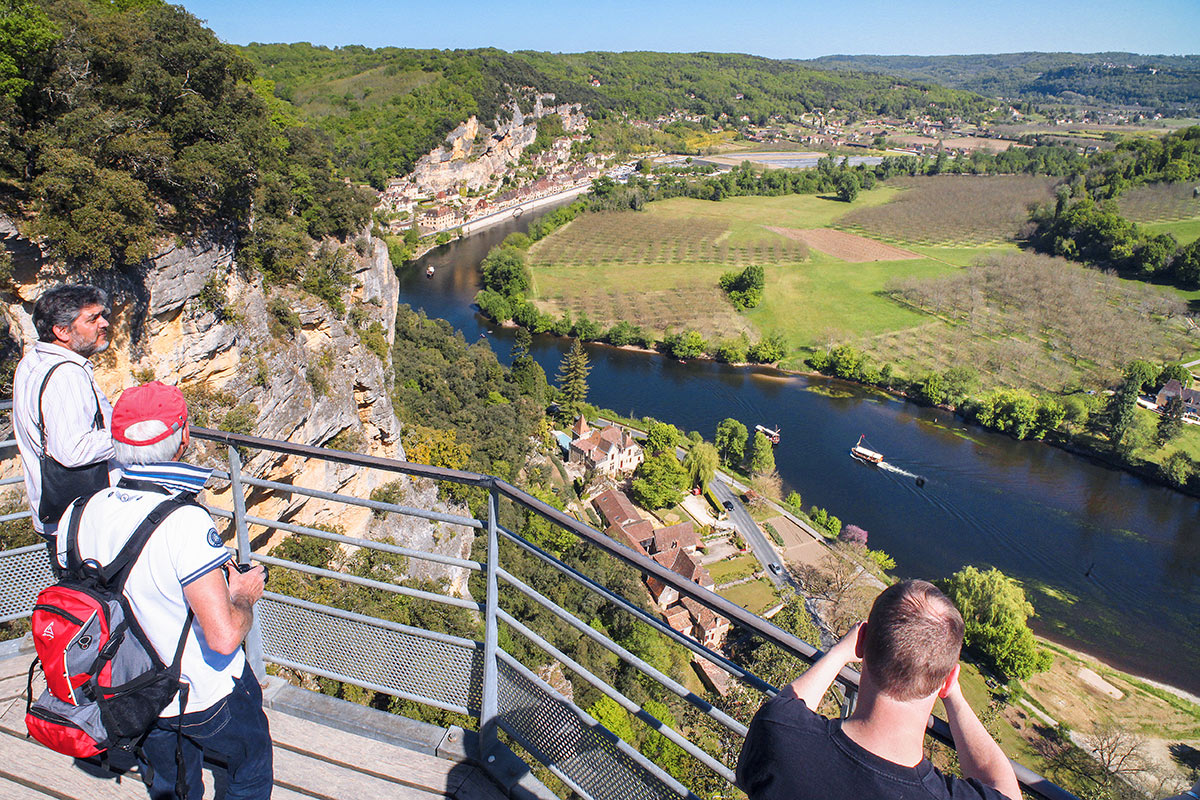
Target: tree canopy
[995,613]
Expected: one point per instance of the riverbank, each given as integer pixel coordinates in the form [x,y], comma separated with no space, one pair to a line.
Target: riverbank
[1037,513]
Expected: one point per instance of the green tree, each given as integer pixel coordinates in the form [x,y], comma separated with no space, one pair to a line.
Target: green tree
[572,380]
[995,613]
[659,481]
[768,350]
[762,455]
[503,270]
[1178,468]
[1173,372]
[662,438]
[701,464]
[848,187]
[26,33]
[1170,424]
[541,531]
[731,441]
[1119,414]
[608,713]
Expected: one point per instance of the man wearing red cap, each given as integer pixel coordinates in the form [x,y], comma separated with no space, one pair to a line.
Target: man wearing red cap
[179,569]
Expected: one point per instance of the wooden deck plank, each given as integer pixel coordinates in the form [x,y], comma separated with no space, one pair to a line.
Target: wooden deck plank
[311,761]
[56,775]
[418,770]
[325,780]
[12,790]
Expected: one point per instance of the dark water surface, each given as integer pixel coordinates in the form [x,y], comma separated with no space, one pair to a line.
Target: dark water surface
[1111,563]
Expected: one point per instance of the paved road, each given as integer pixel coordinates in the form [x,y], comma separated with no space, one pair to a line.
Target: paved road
[749,531]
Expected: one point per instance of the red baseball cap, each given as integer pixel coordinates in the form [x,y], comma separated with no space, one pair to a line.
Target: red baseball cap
[149,401]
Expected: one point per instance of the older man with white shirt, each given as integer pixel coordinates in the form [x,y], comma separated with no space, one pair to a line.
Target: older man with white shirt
[60,416]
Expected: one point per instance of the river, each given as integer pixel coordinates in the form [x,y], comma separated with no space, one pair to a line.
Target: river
[1111,562]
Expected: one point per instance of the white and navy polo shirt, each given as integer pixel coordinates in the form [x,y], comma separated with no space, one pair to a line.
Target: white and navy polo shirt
[183,548]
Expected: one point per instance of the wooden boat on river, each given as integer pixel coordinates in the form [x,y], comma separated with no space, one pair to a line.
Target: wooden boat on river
[865,454]
[772,435]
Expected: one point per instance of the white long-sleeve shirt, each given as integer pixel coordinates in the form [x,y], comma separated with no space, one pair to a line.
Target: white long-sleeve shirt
[69,405]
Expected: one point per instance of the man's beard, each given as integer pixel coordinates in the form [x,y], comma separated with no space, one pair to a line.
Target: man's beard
[89,349]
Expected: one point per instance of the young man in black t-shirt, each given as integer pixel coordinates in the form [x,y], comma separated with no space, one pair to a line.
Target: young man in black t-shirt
[909,649]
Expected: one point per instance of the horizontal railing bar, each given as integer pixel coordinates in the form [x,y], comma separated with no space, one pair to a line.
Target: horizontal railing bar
[342,457]
[645,763]
[365,543]
[620,699]
[8,443]
[395,588]
[13,480]
[15,617]
[732,667]
[15,516]
[375,505]
[375,687]
[625,655]
[29,548]
[354,616]
[936,727]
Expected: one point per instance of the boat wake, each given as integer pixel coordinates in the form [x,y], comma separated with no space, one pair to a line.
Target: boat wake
[897,470]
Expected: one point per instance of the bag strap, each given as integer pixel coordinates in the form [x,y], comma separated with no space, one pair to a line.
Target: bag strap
[97,421]
[114,573]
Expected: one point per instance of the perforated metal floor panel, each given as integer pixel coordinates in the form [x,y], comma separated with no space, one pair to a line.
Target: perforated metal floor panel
[443,673]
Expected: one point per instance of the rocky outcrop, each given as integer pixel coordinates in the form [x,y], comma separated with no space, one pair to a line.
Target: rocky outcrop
[473,156]
[189,317]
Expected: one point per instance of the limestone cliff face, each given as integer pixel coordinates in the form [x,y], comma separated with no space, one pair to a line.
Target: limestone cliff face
[470,160]
[318,383]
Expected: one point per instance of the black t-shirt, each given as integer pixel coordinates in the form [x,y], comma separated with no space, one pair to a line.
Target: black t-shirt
[793,754]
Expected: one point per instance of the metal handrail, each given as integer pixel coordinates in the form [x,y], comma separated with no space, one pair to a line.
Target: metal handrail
[848,677]
[490,720]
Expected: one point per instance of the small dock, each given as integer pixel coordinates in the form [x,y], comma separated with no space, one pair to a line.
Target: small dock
[360,758]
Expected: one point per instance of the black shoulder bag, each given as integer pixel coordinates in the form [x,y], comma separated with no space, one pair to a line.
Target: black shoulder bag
[61,485]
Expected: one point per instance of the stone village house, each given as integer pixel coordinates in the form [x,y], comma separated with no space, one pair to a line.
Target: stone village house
[611,450]
[675,547]
[1173,388]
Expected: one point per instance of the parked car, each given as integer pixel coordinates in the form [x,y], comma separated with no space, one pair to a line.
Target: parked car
[775,568]
[728,505]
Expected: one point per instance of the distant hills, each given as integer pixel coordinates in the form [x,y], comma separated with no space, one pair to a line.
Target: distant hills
[384,107]
[1169,84]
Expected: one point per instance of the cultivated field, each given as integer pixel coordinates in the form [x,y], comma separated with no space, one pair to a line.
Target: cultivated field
[1160,202]
[659,268]
[655,238]
[846,246]
[1033,321]
[953,210]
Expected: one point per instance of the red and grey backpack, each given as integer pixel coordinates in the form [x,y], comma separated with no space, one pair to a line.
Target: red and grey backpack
[105,684]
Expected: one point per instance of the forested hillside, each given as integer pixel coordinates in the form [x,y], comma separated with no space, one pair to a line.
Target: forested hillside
[384,108]
[1170,84]
[125,124]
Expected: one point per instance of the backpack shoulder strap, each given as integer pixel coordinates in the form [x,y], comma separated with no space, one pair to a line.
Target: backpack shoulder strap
[74,562]
[117,571]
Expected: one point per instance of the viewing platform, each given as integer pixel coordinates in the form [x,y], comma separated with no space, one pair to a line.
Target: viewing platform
[518,660]
[325,748]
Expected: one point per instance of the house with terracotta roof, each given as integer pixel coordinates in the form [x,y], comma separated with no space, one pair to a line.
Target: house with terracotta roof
[1173,388]
[610,450]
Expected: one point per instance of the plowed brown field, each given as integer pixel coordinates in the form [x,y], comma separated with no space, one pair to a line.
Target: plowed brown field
[846,246]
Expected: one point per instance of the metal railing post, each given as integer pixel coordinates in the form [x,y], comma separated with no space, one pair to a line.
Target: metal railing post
[489,702]
[254,645]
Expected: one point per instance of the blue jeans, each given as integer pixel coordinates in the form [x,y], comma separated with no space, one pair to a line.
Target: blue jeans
[234,730]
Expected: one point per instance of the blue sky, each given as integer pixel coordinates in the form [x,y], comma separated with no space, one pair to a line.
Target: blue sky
[773,28]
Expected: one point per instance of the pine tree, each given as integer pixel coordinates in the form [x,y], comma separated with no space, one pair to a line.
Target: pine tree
[572,380]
